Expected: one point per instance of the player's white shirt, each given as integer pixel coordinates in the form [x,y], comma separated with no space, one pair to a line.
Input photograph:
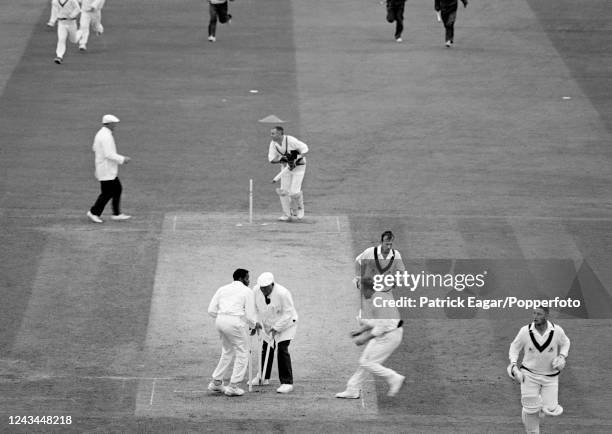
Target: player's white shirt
[539,350]
[370,266]
[279,314]
[63,10]
[234,299]
[369,254]
[288,144]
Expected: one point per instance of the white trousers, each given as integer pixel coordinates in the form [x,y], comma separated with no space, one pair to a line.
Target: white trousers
[291,181]
[66,29]
[374,354]
[538,386]
[234,346]
[89,19]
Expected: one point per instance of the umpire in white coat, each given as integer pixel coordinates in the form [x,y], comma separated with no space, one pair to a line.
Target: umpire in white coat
[107,162]
[277,316]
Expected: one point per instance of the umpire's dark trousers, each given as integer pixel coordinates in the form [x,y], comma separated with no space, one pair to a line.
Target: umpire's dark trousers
[217,12]
[285,373]
[395,12]
[111,190]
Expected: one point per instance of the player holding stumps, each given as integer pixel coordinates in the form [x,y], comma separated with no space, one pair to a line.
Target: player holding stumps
[545,348]
[289,152]
[233,307]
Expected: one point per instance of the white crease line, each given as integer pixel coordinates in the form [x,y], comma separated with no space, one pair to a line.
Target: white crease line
[152,393]
[363,405]
[255,227]
[174,224]
[115,377]
[338,223]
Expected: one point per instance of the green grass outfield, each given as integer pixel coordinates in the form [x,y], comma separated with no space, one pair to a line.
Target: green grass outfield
[493,155]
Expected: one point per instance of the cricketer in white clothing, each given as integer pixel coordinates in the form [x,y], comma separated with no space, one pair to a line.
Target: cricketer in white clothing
[382,260]
[107,162]
[91,16]
[233,307]
[545,347]
[381,329]
[277,315]
[288,151]
[65,12]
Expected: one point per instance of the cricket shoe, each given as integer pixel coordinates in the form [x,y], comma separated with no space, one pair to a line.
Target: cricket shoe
[216,387]
[347,394]
[58,60]
[398,39]
[395,385]
[300,213]
[284,218]
[233,391]
[211,38]
[285,388]
[82,48]
[94,218]
[448,44]
[255,381]
[121,217]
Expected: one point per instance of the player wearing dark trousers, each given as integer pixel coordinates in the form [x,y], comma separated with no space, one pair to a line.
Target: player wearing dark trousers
[448,13]
[285,373]
[218,11]
[395,12]
[111,190]
[278,319]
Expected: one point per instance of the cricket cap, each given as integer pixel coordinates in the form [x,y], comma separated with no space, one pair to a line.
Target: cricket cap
[265,279]
[109,119]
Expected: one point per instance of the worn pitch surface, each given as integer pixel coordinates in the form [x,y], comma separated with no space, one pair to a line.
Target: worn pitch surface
[493,155]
